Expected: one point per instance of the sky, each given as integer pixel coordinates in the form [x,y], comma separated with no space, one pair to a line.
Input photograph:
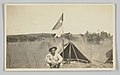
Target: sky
[41,18]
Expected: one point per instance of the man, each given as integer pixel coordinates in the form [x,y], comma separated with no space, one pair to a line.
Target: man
[53,59]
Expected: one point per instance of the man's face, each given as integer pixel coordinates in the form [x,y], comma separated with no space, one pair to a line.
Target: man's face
[53,51]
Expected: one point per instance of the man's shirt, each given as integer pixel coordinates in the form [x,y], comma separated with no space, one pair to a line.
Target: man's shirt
[53,59]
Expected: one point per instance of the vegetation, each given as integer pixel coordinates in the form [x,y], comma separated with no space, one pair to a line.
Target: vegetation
[29,51]
[94,38]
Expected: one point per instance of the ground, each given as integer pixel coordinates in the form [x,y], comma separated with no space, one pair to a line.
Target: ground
[32,54]
[85,65]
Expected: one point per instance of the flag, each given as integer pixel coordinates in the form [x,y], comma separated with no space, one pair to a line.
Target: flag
[59,32]
[59,23]
[58,26]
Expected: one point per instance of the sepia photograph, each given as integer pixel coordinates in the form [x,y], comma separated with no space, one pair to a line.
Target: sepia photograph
[59,37]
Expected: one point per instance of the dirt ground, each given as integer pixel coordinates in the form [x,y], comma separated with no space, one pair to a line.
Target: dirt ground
[87,65]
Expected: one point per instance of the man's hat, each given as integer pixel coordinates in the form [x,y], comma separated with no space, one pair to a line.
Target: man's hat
[52,48]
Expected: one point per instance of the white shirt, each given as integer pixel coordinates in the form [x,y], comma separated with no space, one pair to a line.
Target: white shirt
[56,58]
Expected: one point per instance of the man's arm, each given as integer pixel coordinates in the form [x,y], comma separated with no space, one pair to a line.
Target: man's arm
[48,59]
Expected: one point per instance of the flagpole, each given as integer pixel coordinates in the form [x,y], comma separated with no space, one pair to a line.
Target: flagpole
[59,26]
[63,42]
[62,37]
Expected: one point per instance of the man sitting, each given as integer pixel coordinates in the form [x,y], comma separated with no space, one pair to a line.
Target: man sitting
[53,59]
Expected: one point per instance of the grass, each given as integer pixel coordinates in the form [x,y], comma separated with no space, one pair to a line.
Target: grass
[87,65]
[32,54]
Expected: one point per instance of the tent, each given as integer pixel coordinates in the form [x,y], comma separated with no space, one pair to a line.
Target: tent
[109,55]
[98,53]
[104,56]
[72,53]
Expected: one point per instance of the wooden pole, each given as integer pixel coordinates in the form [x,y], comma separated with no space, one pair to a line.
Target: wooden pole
[62,37]
[69,53]
[63,48]
[75,52]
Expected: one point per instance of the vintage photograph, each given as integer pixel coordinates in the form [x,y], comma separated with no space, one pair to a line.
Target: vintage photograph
[59,37]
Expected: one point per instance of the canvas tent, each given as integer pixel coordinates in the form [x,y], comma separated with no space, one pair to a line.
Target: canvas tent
[104,54]
[72,53]
[109,55]
[98,53]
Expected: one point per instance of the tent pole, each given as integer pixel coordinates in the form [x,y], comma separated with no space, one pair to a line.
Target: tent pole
[75,52]
[91,53]
[63,48]
[63,39]
[69,53]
